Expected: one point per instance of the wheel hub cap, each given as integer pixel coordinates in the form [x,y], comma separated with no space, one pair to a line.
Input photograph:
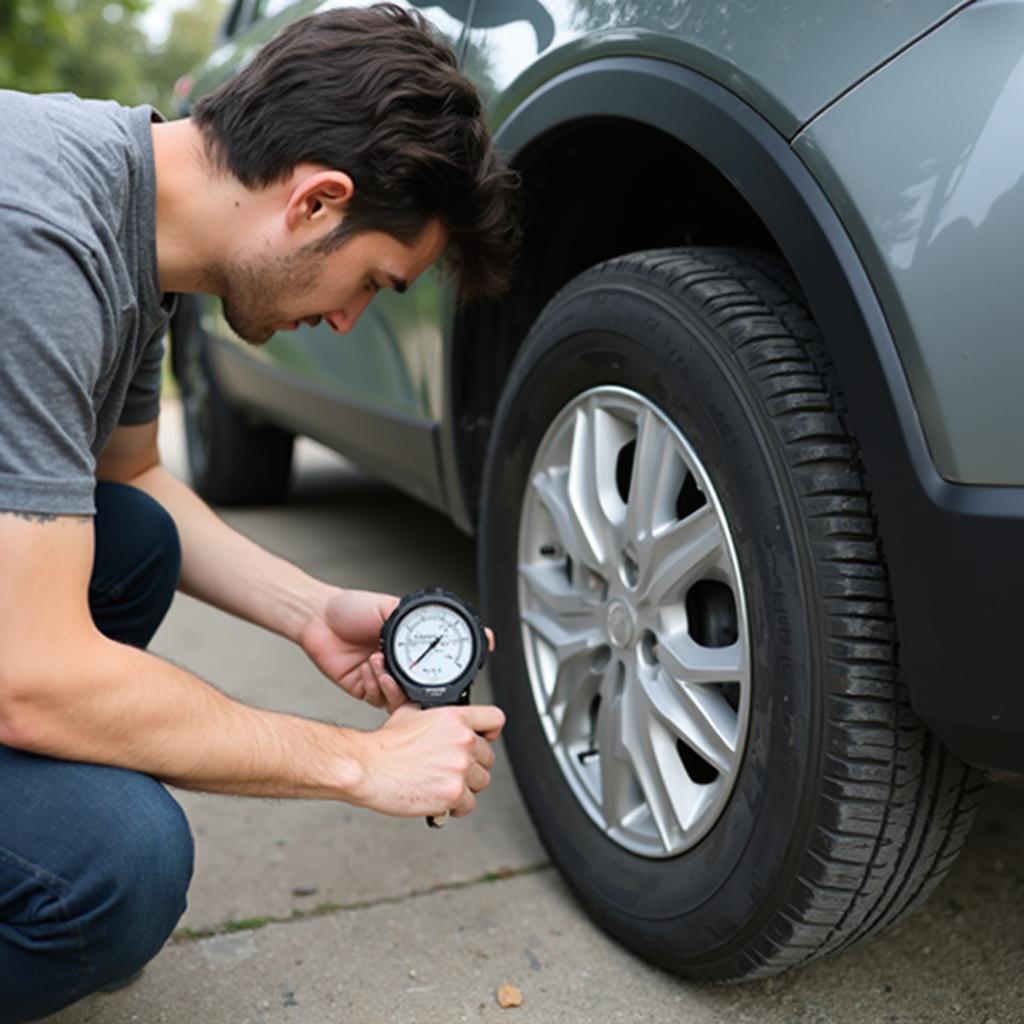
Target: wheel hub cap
[621,624]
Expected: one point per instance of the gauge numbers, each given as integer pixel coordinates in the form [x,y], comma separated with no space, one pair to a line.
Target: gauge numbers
[433,645]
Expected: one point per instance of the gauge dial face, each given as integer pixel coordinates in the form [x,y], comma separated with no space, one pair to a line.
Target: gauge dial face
[433,645]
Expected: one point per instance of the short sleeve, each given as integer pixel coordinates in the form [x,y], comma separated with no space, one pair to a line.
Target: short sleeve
[53,320]
[142,402]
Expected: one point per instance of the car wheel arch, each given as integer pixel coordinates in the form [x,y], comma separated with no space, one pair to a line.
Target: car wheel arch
[745,151]
[911,500]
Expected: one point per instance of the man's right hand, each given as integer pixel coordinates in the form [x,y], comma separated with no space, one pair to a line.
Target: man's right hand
[427,762]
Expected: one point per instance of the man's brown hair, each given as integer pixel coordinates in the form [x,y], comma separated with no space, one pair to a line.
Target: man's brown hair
[374,92]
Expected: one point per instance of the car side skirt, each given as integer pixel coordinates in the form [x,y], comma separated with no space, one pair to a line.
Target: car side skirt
[393,445]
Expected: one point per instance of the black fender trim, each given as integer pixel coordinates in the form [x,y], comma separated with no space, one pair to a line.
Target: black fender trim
[955,552]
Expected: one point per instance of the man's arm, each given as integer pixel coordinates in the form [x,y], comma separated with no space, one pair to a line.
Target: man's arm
[219,565]
[337,629]
[69,692]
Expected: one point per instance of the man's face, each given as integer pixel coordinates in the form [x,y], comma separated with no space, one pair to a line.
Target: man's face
[265,294]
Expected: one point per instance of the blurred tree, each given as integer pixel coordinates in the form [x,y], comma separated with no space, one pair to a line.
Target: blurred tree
[107,55]
[92,47]
[97,48]
[191,39]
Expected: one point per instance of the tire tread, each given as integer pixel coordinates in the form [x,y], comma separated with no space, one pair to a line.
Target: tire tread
[894,807]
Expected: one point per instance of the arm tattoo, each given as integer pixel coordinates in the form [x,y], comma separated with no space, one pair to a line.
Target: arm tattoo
[44,517]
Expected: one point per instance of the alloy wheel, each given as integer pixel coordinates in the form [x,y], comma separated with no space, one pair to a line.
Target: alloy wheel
[633,622]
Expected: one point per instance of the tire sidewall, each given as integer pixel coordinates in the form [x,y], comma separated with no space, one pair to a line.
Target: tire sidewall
[605,330]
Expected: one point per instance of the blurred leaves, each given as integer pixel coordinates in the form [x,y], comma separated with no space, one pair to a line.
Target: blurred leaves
[190,41]
[98,49]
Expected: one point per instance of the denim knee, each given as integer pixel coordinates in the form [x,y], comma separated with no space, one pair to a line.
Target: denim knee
[137,563]
[94,871]
[138,895]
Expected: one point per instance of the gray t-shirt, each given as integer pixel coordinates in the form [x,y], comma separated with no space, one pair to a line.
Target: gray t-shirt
[81,315]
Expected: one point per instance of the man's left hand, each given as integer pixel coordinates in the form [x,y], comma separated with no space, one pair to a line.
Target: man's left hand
[343,640]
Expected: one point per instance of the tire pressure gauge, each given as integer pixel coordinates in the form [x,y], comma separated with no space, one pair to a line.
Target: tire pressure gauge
[434,644]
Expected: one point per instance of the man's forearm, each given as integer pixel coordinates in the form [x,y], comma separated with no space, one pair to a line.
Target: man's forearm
[109,703]
[229,571]
[95,700]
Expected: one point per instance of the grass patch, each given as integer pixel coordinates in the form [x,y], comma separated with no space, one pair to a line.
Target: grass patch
[247,924]
[324,909]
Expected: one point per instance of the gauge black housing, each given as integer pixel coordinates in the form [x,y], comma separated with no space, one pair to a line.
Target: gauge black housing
[457,691]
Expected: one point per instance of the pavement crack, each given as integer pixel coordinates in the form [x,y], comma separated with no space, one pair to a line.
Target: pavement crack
[183,935]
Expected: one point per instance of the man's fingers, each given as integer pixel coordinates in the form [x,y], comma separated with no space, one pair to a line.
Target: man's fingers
[477,778]
[441,757]
[375,686]
[483,752]
[371,687]
[465,806]
[485,719]
[392,693]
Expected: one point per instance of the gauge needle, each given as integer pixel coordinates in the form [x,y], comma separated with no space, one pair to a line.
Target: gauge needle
[433,644]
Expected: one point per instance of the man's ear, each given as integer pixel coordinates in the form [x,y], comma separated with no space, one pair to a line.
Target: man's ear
[317,201]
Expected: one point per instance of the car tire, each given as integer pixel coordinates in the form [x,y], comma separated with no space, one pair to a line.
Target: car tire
[696,649]
[232,460]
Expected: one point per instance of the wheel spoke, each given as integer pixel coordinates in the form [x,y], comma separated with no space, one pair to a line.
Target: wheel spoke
[571,700]
[567,644]
[618,778]
[651,461]
[568,656]
[552,489]
[685,551]
[700,717]
[589,465]
[655,772]
[549,585]
[689,662]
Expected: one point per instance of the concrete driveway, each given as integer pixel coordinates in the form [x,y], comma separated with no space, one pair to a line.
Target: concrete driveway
[308,912]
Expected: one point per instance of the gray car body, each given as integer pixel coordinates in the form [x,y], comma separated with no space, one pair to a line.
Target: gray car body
[889,180]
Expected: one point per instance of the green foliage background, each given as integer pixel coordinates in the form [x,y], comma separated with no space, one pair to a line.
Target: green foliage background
[97,48]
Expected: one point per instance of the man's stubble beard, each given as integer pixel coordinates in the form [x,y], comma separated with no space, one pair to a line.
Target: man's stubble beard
[251,292]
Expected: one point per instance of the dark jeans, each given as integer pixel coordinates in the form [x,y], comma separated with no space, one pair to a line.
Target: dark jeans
[94,861]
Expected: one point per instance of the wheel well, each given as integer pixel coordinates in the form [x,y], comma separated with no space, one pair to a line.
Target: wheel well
[592,190]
